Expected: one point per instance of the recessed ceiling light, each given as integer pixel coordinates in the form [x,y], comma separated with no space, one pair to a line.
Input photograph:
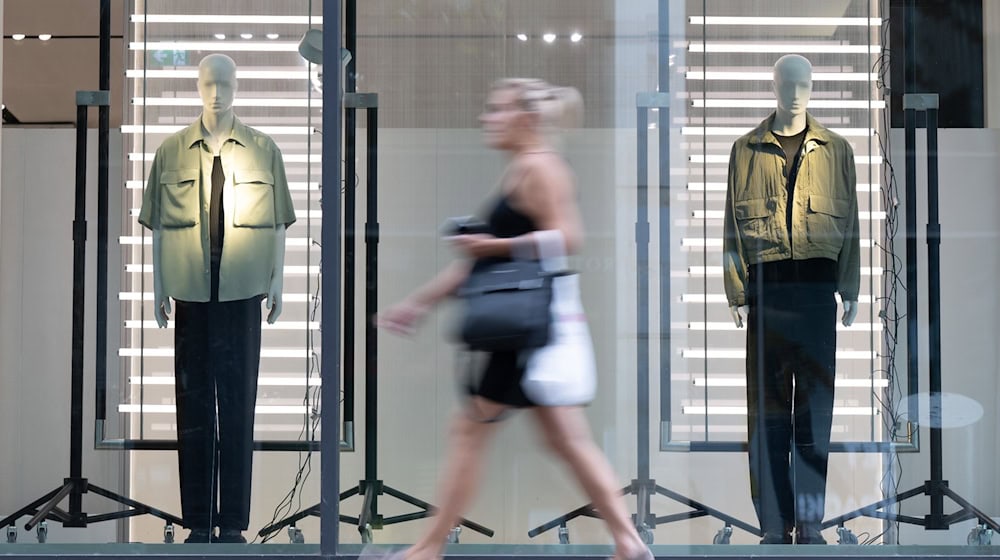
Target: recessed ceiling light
[44,36]
[17,36]
[220,36]
[273,35]
[575,37]
[522,37]
[246,35]
[549,37]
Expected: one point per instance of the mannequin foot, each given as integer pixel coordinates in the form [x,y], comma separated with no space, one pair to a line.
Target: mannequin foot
[199,536]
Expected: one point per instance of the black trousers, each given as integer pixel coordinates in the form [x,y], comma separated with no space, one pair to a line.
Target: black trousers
[216,359]
[791,361]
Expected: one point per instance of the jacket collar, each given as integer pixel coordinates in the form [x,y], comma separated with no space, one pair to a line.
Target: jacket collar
[194,133]
[814,131]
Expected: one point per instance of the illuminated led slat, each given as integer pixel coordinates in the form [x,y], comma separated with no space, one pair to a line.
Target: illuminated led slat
[721,298]
[216,46]
[742,382]
[699,271]
[802,48]
[720,214]
[292,185]
[769,104]
[278,326]
[730,326]
[736,131]
[299,270]
[139,74]
[148,296]
[169,353]
[238,102]
[171,409]
[314,380]
[148,240]
[172,128]
[741,353]
[785,21]
[241,19]
[724,159]
[742,410]
[289,158]
[721,187]
[769,76]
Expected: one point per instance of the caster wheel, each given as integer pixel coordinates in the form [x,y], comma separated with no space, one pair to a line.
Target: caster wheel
[723,536]
[646,534]
[563,534]
[295,535]
[366,534]
[453,535]
[845,536]
[42,532]
[168,533]
[11,534]
[981,535]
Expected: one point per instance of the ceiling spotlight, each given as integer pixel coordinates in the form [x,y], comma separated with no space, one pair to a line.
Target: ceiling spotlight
[220,36]
[44,36]
[17,36]
[273,35]
[575,37]
[246,35]
[522,37]
[549,37]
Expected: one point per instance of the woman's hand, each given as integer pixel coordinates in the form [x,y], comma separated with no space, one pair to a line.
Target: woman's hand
[479,245]
[402,318]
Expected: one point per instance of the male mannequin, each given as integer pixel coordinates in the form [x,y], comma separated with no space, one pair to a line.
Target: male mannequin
[218,204]
[791,241]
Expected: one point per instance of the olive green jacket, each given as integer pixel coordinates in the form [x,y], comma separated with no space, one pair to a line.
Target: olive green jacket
[255,200]
[824,209]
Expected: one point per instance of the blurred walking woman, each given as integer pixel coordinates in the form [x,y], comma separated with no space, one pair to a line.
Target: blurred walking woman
[537,199]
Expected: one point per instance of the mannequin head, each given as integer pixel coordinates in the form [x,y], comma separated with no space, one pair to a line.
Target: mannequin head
[792,84]
[217,84]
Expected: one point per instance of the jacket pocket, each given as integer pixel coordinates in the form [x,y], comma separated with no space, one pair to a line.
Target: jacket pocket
[254,190]
[754,219]
[180,204]
[826,221]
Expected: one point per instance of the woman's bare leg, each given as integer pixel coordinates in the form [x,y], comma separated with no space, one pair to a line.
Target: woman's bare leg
[568,435]
[471,432]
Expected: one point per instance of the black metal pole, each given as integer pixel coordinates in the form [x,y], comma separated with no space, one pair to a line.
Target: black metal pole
[371,303]
[79,310]
[350,203]
[934,324]
[330,289]
[663,132]
[103,140]
[910,141]
[642,303]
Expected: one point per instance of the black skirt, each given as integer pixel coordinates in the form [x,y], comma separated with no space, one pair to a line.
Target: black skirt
[499,380]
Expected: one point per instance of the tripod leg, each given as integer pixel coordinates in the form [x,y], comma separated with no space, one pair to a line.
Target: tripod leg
[430,508]
[44,511]
[30,508]
[143,508]
[985,519]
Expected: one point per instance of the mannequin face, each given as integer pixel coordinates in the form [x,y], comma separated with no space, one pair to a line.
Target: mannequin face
[505,123]
[217,84]
[792,84]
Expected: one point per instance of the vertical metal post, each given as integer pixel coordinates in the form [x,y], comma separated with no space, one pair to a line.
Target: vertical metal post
[642,292]
[663,130]
[350,207]
[934,323]
[79,310]
[910,141]
[103,140]
[371,303]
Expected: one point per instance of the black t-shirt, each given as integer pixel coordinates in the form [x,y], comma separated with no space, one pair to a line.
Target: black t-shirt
[217,215]
[792,145]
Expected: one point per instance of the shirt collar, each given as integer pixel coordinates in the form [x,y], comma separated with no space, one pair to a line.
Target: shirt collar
[194,133]
[814,131]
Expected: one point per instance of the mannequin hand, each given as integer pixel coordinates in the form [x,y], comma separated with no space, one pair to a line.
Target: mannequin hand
[850,312]
[161,310]
[273,302]
[477,245]
[737,311]
[402,318]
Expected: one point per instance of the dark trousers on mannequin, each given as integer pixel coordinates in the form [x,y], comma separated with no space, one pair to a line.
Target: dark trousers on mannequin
[217,356]
[791,361]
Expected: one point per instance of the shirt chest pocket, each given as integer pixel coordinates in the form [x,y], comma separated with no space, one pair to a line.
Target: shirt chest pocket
[254,198]
[179,200]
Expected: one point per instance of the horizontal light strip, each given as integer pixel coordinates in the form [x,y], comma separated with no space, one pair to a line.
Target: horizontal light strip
[252,46]
[172,128]
[730,326]
[770,104]
[171,409]
[302,74]
[698,271]
[238,102]
[209,18]
[289,158]
[741,353]
[721,298]
[292,185]
[724,158]
[721,187]
[278,326]
[761,47]
[769,76]
[314,381]
[139,268]
[148,296]
[742,410]
[742,382]
[720,214]
[148,240]
[169,353]
[785,20]
[735,131]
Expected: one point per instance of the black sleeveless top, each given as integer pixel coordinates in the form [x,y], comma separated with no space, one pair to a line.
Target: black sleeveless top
[506,221]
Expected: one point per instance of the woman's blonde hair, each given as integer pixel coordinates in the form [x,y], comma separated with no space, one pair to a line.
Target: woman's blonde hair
[559,107]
